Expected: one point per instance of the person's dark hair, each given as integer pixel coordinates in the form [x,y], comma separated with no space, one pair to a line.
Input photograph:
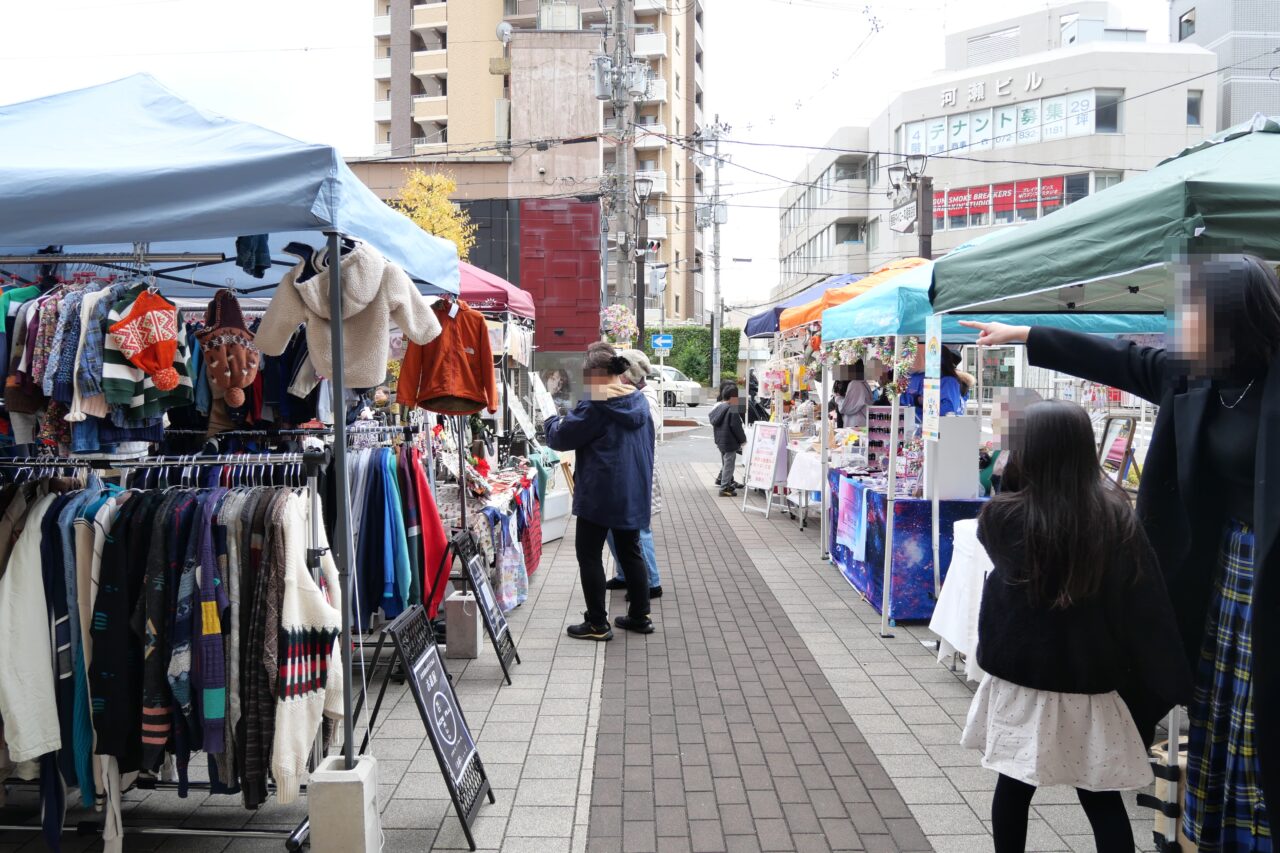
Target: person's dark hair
[840,387]
[603,357]
[1070,526]
[1242,296]
[728,391]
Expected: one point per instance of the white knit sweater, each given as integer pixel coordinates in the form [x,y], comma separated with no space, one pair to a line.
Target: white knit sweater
[375,294]
[309,622]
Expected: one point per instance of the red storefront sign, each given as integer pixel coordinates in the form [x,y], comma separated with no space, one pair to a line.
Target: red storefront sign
[939,204]
[958,202]
[1051,190]
[1027,193]
[1002,196]
[979,199]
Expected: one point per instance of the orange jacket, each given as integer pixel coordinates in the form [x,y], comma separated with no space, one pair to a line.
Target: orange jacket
[454,374]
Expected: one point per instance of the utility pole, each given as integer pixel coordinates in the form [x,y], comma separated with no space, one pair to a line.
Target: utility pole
[924,224]
[622,101]
[717,216]
[642,247]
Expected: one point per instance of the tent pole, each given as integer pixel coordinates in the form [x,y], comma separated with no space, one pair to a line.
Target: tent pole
[892,499]
[344,554]
[824,522]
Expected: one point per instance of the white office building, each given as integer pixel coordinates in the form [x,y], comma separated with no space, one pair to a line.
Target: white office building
[1012,132]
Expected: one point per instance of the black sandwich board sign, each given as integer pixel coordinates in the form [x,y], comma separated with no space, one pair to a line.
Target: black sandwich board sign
[419,658]
[495,622]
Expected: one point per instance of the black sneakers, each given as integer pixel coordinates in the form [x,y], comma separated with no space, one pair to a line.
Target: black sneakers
[643,625]
[587,631]
[729,492]
[615,583]
[654,592]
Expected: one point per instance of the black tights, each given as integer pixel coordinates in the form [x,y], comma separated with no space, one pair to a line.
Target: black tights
[1105,810]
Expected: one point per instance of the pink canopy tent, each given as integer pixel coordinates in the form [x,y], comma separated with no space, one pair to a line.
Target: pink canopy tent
[490,294]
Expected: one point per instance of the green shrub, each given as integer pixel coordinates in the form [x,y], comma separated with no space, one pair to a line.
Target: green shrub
[691,352]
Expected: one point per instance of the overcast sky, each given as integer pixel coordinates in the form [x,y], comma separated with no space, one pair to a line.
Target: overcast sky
[778,71]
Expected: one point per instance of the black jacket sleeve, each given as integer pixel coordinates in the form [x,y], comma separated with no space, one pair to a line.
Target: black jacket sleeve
[1118,364]
[735,424]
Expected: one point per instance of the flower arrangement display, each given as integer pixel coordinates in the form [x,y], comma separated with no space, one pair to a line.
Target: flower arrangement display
[871,349]
[618,324]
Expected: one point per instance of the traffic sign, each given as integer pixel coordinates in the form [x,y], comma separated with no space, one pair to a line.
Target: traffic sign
[662,342]
[662,352]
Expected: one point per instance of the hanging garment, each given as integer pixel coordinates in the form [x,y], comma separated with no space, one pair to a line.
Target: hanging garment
[376,295]
[531,528]
[453,374]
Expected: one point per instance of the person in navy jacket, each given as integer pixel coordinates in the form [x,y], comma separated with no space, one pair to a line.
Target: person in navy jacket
[612,435]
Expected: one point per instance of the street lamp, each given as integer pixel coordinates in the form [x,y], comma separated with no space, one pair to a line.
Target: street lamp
[643,188]
[897,177]
[911,177]
[916,164]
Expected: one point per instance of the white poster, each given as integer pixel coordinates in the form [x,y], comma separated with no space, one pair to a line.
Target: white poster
[935,134]
[1004,121]
[915,138]
[546,403]
[1029,123]
[1080,114]
[980,130]
[1053,118]
[520,414]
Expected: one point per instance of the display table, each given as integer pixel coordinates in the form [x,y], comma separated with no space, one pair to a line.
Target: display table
[804,477]
[911,585]
[955,620]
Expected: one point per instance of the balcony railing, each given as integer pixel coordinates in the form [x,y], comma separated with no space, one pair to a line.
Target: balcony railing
[430,62]
[650,45]
[430,108]
[382,69]
[657,226]
[649,136]
[657,91]
[659,178]
[382,26]
[382,110]
[431,16]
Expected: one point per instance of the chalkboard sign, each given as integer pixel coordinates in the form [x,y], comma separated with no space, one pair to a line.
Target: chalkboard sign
[495,622]
[451,738]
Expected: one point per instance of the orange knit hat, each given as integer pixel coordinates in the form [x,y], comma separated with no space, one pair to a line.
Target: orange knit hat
[148,337]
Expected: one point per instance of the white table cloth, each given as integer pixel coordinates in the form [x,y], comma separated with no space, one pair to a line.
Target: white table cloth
[955,618]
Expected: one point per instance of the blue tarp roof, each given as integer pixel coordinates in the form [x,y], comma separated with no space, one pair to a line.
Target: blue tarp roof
[901,305]
[767,322]
[97,169]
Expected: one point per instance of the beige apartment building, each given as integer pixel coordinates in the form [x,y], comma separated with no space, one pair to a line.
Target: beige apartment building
[1030,114]
[451,94]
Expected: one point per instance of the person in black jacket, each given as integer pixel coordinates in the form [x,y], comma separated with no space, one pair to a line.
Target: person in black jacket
[1210,503]
[1072,634]
[726,421]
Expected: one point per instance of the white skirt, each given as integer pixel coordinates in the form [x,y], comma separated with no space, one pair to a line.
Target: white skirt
[1044,738]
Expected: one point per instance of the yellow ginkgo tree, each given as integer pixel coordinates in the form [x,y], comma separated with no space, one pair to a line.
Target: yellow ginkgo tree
[425,198]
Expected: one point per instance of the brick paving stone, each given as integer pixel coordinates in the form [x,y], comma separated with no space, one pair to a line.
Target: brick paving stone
[756,750]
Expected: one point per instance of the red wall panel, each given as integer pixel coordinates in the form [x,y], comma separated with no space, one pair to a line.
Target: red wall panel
[560,267]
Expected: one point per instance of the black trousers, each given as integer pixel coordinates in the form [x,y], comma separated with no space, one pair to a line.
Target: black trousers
[589,544]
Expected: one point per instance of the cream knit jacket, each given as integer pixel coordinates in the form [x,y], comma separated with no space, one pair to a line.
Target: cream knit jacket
[375,294]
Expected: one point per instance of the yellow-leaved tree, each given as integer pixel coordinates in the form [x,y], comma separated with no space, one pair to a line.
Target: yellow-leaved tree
[424,198]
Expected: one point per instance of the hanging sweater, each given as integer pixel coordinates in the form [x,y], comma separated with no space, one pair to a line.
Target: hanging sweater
[128,386]
[309,625]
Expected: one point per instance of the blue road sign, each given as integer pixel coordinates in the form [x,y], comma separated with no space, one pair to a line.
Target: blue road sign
[662,341]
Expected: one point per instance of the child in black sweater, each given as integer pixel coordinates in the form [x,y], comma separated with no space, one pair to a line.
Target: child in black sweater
[1076,634]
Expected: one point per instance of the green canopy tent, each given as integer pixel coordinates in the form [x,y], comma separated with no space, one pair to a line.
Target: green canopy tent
[1116,251]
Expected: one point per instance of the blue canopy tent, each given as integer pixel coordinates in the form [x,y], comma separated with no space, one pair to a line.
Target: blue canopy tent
[766,323]
[151,170]
[901,306]
[160,170]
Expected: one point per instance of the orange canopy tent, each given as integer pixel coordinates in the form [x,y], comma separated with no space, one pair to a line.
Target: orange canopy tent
[811,312]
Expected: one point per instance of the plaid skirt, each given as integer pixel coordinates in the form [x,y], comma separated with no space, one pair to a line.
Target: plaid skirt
[1224,810]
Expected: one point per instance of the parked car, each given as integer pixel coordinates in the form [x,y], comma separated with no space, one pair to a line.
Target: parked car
[676,388]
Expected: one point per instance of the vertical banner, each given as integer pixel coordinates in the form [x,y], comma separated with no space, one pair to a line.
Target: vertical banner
[932,375]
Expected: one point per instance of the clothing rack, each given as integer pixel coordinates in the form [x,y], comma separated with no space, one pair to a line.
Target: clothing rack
[311,462]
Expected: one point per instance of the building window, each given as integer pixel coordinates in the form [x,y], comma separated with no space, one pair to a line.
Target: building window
[979,207]
[677,82]
[939,211]
[1105,180]
[1026,196]
[677,304]
[1187,25]
[677,127]
[1077,187]
[873,238]
[677,171]
[1194,97]
[1107,115]
[873,170]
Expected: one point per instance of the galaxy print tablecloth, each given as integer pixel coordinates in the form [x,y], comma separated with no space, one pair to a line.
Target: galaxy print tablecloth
[911,584]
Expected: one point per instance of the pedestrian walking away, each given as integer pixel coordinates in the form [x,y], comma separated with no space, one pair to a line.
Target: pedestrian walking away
[612,435]
[726,420]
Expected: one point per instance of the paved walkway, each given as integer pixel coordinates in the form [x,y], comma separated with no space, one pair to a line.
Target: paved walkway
[766,713]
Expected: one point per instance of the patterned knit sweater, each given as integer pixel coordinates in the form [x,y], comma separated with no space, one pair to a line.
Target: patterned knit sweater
[309,625]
